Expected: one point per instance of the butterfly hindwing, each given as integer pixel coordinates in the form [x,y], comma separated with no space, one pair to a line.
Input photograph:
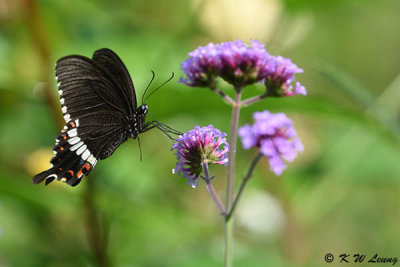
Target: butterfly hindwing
[80,145]
[72,158]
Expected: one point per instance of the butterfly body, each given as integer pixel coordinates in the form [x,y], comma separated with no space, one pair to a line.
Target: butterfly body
[99,106]
[137,121]
[135,124]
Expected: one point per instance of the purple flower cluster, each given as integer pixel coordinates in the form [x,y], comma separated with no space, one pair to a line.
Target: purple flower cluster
[275,136]
[200,145]
[241,64]
[236,62]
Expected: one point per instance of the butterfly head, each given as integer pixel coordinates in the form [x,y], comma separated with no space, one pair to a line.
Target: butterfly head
[143,109]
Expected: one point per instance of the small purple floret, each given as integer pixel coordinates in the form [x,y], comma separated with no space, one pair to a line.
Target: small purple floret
[280,77]
[275,136]
[202,144]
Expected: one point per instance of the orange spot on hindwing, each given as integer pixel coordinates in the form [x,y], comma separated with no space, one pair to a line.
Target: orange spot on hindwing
[84,170]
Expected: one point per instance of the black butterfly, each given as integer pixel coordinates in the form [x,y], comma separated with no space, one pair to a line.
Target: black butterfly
[99,104]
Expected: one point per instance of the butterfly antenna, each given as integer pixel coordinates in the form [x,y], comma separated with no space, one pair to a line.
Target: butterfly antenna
[140,148]
[145,91]
[170,78]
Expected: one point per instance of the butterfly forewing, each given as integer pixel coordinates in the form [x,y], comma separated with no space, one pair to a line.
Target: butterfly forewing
[79,78]
[112,63]
[97,96]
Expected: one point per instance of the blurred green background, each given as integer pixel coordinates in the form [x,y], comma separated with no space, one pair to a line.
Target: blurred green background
[340,196]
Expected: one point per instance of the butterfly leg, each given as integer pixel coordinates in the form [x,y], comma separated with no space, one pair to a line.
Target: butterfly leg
[148,126]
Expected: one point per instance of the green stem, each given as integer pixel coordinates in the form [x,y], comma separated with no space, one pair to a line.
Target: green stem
[211,189]
[244,183]
[228,256]
[252,100]
[230,188]
[226,97]
[232,151]
[95,231]
[40,40]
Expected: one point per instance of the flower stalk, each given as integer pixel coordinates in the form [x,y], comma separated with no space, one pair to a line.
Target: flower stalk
[252,100]
[230,188]
[232,153]
[228,242]
[243,184]
[224,96]
[211,190]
